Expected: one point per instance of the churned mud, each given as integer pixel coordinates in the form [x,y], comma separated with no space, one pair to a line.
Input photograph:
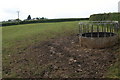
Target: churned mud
[60,58]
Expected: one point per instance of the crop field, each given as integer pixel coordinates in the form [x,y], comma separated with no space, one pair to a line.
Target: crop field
[51,50]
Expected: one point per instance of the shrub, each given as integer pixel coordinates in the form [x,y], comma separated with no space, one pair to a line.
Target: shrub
[105,17]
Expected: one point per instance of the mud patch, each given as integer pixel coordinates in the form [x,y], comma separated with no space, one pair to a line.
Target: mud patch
[59,58]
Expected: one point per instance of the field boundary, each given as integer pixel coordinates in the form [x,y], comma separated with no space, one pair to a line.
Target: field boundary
[42,21]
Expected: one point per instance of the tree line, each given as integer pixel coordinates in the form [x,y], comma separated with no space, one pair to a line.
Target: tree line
[43,20]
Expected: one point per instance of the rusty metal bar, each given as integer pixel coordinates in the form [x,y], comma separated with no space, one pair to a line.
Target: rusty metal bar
[98,30]
[98,26]
[92,30]
[104,30]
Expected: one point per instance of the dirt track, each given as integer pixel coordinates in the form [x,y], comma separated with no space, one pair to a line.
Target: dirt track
[60,58]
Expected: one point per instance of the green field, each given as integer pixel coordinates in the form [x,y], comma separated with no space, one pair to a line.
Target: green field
[19,37]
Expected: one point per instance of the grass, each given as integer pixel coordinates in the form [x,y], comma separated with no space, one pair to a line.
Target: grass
[22,36]
[114,70]
[18,37]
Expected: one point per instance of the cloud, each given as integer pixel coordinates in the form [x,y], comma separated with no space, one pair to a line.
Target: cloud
[55,8]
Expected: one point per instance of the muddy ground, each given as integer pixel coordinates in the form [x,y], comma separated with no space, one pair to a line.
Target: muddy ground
[60,58]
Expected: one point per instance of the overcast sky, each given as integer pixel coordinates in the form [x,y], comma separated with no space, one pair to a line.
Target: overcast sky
[55,8]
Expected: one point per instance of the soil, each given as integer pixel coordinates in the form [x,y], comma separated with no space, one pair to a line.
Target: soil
[60,58]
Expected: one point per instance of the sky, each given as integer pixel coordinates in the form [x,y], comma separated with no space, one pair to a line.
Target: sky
[55,8]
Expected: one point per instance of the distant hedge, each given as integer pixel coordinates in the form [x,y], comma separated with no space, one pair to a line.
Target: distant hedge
[42,21]
[105,17]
